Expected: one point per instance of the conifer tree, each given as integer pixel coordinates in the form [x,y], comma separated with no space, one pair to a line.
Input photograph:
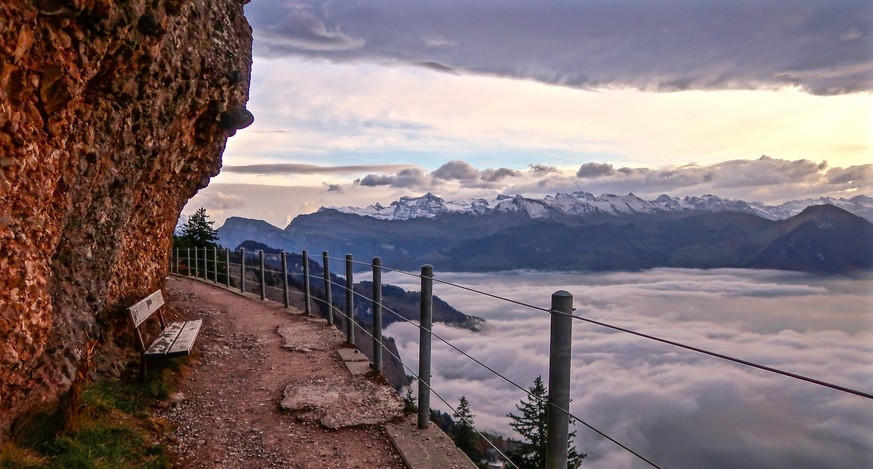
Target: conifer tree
[409,405]
[531,424]
[465,434]
[198,231]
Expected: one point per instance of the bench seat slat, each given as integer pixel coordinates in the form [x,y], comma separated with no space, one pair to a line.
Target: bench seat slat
[185,341]
[165,340]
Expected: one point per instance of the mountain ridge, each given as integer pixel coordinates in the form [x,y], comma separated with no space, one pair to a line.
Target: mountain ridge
[582,203]
[568,235]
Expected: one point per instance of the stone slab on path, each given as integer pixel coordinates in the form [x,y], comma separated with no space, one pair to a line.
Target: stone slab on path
[352,355]
[302,339]
[355,361]
[337,404]
[426,449]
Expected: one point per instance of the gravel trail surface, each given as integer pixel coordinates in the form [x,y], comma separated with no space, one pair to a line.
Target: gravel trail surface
[249,357]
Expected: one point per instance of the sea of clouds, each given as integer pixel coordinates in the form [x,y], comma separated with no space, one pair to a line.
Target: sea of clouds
[679,408]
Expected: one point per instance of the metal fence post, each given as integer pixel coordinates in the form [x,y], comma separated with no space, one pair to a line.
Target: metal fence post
[558,424]
[242,270]
[306,302]
[215,264]
[196,264]
[227,267]
[284,279]
[176,259]
[424,348]
[188,266]
[205,263]
[350,302]
[263,283]
[327,293]
[377,314]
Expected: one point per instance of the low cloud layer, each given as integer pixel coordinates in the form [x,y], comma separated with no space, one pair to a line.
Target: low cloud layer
[459,172]
[820,46]
[681,409]
[763,179]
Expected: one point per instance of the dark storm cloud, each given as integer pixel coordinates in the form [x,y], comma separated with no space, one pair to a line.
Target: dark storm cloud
[298,168]
[822,46]
[460,170]
[541,169]
[494,175]
[765,171]
[594,170]
[771,176]
[406,178]
[852,174]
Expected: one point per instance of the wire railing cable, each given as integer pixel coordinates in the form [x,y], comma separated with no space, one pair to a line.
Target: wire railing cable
[414,375]
[479,362]
[441,339]
[724,357]
[444,282]
[658,339]
[498,374]
[592,321]
[604,435]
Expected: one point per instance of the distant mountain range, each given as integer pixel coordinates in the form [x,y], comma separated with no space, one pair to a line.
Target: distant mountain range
[579,231]
[586,204]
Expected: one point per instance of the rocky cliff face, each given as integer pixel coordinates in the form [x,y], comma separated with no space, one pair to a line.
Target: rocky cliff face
[112,115]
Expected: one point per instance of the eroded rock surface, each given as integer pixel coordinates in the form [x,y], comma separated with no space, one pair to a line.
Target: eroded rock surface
[112,115]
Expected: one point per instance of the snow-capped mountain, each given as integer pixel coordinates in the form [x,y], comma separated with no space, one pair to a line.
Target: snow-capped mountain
[860,205]
[584,204]
[426,206]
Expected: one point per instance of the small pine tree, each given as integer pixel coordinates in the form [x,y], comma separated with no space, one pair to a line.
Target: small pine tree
[532,426]
[198,232]
[409,406]
[465,434]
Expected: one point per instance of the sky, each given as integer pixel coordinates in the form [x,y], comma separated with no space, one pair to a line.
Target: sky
[678,408]
[358,102]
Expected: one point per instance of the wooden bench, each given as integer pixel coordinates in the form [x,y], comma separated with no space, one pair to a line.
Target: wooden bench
[175,340]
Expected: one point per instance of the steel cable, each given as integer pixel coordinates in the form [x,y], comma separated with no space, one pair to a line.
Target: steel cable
[526,391]
[724,357]
[430,388]
[657,339]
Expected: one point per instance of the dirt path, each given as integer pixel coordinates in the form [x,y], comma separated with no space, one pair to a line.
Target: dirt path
[228,412]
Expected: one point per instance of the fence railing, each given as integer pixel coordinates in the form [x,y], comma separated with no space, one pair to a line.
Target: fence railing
[219,266]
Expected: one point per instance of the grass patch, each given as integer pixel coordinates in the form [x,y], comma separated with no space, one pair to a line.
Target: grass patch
[112,427]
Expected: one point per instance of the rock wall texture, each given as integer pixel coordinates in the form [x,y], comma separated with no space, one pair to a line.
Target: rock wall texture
[113,113]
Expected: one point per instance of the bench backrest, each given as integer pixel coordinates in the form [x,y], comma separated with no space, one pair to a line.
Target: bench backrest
[145,308]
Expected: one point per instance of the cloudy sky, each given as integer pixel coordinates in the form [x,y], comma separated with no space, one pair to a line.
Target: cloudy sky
[681,409]
[357,102]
